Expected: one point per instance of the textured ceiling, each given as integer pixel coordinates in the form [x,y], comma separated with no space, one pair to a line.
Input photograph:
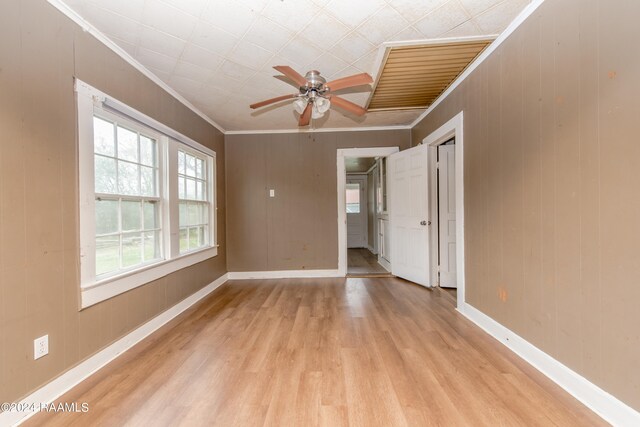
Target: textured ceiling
[218,54]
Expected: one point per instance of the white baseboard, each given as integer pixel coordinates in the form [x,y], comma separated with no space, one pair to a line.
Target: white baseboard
[282,274]
[82,371]
[599,401]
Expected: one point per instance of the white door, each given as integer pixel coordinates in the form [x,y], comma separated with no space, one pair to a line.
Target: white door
[447,215]
[356,196]
[408,212]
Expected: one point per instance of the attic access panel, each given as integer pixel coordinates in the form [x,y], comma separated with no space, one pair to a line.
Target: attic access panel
[413,76]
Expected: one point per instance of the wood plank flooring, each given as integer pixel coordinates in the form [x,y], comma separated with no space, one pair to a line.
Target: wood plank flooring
[361,261]
[330,352]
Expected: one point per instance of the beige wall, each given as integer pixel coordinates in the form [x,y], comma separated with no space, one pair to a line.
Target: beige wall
[40,53]
[298,228]
[552,179]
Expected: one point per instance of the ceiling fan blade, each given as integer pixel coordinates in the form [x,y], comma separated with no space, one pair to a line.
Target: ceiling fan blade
[347,105]
[351,81]
[292,74]
[271,101]
[305,117]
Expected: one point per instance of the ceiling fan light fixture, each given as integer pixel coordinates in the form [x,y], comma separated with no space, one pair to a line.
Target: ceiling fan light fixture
[322,104]
[315,114]
[313,100]
[300,104]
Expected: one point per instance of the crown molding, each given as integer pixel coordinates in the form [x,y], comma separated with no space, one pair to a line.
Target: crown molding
[89,28]
[321,130]
[522,16]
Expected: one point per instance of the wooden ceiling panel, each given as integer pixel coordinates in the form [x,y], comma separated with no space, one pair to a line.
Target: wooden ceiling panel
[414,76]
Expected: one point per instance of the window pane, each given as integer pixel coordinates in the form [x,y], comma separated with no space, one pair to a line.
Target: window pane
[182,214]
[204,214]
[191,189]
[103,141]
[105,175]
[128,179]
[181,185]
[106,216]
[181,167]
[200,168]
[151,215]
[131,215]
[147,151]
[131,250]
[193,213]
[353,207]
[204,235]
[127,145]
[200,190]
[191,165]
[193,238]
[147,181]
[151,245]
[353,198]
[184,239]
[107,254]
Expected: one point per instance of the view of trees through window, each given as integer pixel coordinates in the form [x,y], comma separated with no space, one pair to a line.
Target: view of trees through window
[127,213]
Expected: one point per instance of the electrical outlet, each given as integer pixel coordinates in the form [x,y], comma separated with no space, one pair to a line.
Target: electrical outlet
[40,347]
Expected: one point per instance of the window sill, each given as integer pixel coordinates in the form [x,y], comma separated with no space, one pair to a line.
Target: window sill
[116,285]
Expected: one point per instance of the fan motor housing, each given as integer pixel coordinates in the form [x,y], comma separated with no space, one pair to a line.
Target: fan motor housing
[315,84]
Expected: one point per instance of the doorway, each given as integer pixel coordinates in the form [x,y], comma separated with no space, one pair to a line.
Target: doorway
[446,208]
[361,211]
[362,216]
[357,211]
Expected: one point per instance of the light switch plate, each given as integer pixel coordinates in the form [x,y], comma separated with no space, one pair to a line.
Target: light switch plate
[40,347]
[272,193]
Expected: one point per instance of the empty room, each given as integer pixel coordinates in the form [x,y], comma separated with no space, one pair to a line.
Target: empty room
[319,213]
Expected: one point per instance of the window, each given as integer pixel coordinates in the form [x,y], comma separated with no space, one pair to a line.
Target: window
[353,198]
[147,198]
[194,201]
[127,198]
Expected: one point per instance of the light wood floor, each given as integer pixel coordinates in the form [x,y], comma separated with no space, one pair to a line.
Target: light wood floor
[362,262]
[333,352]
[451,291]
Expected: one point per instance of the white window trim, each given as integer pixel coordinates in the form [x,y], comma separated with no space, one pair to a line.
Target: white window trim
[90,100]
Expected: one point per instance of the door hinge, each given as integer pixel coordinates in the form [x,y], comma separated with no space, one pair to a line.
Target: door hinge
[437,165]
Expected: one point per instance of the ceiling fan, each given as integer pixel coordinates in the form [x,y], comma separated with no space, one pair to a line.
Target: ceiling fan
[316,96]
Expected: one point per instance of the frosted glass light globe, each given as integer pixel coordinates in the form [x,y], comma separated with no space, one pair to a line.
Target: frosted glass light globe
[322,104]
[300,104]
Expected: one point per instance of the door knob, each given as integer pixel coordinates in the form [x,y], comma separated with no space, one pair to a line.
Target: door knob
[423,222]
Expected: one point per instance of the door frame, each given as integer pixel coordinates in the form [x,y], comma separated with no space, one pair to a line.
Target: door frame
[451,129]
[341,155]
